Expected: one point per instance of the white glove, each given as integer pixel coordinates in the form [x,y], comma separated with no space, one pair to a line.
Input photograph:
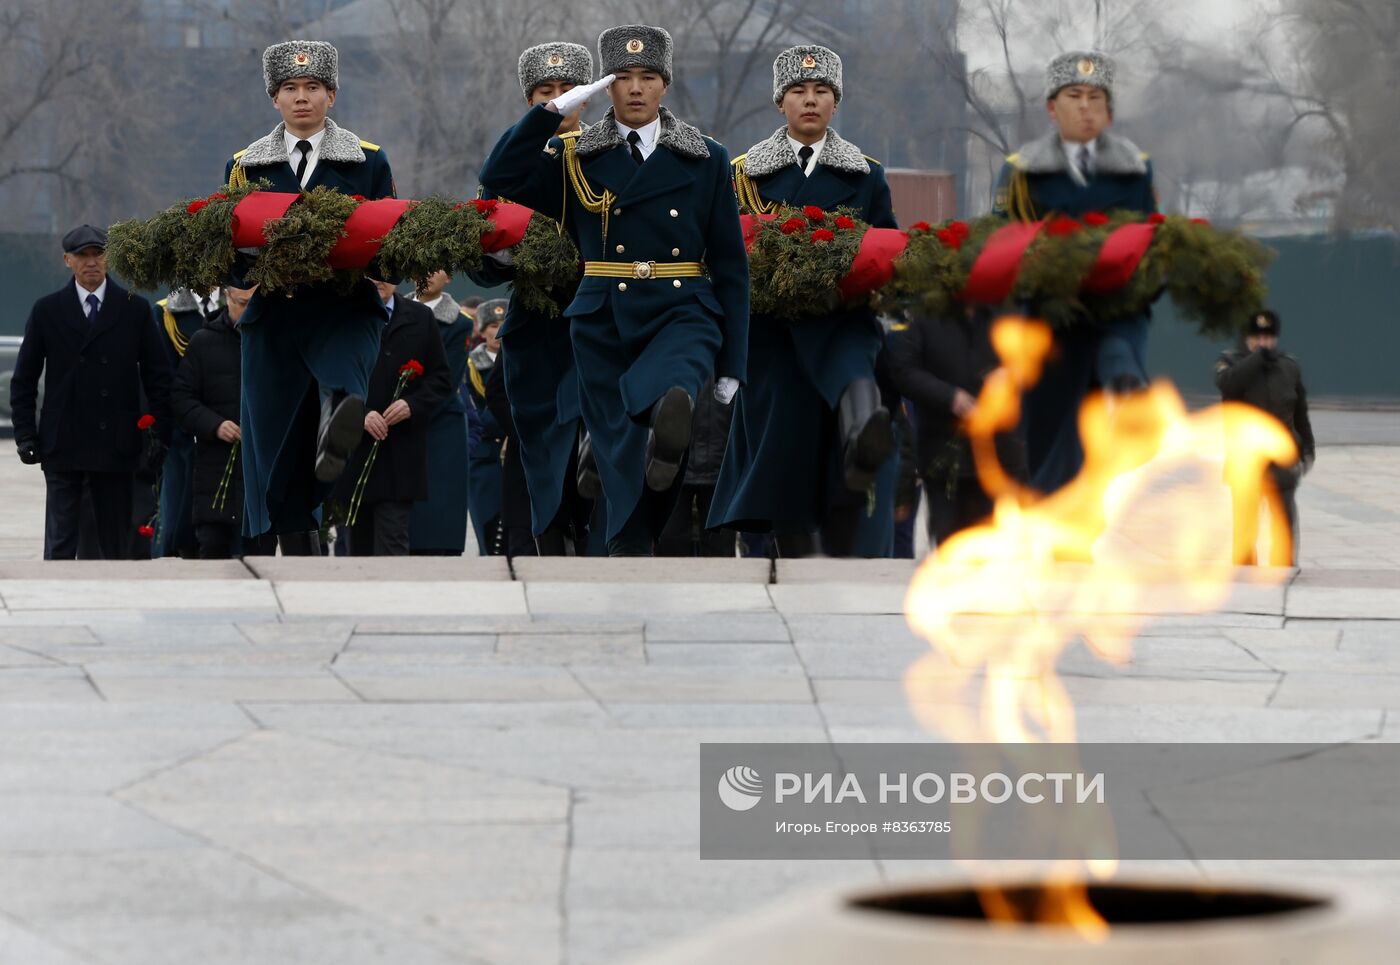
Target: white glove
[572,100]
[725,389]
[505,257]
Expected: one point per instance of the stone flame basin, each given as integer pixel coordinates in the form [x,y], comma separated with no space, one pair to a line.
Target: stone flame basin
[1151,922]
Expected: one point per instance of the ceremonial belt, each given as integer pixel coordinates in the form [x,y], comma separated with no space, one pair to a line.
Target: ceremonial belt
[643,269]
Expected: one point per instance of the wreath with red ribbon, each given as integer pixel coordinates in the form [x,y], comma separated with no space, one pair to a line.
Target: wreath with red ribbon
[325,236]
[1068,271]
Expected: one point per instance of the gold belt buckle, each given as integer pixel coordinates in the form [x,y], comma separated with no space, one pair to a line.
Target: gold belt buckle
[643,269]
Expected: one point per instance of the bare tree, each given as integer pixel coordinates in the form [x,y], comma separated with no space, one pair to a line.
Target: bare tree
[68,107]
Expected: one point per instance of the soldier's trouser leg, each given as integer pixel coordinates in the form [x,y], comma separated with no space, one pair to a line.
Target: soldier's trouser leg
[866,433]
[111,506]
[1120,358]
[215,540]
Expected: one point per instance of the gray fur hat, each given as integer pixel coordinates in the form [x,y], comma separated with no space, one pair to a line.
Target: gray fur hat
[490,312]
[300,58]
[1080,67]
[797,65]
[554,61]
[635,45]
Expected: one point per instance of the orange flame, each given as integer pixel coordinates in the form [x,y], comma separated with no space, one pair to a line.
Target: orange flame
[1144,528]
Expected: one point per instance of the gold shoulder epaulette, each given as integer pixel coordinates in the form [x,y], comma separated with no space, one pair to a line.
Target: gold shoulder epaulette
[478,386]
[750,201]
[239,154]
[872,160]
[369,145]
[1014,159]
[568,134]
[161,302]
[172,330]
[1143,155]
[738,161]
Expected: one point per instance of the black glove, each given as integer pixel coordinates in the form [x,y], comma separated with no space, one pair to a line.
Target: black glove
[28,451]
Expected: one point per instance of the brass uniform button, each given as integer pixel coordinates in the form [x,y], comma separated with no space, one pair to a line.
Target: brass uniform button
[674,213]
[676,283]
[621,249]
[675,252]
[617,211]
[622,286]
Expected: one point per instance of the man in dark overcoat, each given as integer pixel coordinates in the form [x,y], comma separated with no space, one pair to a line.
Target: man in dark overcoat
[1078,168]
[307,357]
[399,476]
[663,305]
[95,346]
[811,432]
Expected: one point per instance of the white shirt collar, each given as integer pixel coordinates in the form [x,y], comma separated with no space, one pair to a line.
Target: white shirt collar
[430,303]
[389,305]
[291,141]
[797,147]
[83,293]
[1072,148]
[648,132]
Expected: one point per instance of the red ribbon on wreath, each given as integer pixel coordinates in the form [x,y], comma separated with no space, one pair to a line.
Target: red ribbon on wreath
[1122,252]
[993,274]
[874,264]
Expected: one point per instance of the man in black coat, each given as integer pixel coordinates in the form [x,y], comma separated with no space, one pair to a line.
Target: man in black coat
[205,398]
[96,346]
[1258,374]
[939,364]
[399,476]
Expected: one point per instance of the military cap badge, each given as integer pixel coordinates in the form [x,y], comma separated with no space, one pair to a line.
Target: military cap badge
[809,62]
[555,60]
[635,46]
[302,58]
[1086,67]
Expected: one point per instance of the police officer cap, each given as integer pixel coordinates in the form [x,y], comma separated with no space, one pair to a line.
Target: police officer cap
[490,312]
[1264,323]
[300,58]
[554,61]
[1088,67]
[84,236]
[635,45]
[798,65]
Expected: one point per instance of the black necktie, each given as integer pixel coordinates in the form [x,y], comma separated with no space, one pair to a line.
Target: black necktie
[634,139]
[93,305]
[1085,164]
[305,148]
[803,156]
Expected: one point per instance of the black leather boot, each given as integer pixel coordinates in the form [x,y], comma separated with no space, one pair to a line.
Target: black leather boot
[795,546]
[554,542]
[589,485]
[342,425]
[669,437]
[300,544]
[866,435]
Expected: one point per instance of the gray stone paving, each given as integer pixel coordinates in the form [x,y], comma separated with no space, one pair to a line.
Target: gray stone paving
[362,761]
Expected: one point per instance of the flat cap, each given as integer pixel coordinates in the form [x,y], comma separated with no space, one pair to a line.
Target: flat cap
[84,236]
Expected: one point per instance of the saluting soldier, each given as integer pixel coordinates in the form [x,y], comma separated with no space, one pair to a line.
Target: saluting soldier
[663,305]
[179,316]
[1078,168]
[811,434]
[541,382]
[307,354]
[438,525]
[484,476]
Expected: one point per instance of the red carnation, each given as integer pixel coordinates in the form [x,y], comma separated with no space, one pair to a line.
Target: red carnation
[218,196]
[921,226]
[792,225]
[197,205]
[845,223]
[1062,226]
[823,234]
[412,368]
[1156,218]
[814,213]
[949,238]
[1200,221]
[960,229]
[1096,219]
[484,205]
[357,197]
[146,421]
[146,531]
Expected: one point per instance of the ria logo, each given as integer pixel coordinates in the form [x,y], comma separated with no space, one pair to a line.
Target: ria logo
[740,788]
